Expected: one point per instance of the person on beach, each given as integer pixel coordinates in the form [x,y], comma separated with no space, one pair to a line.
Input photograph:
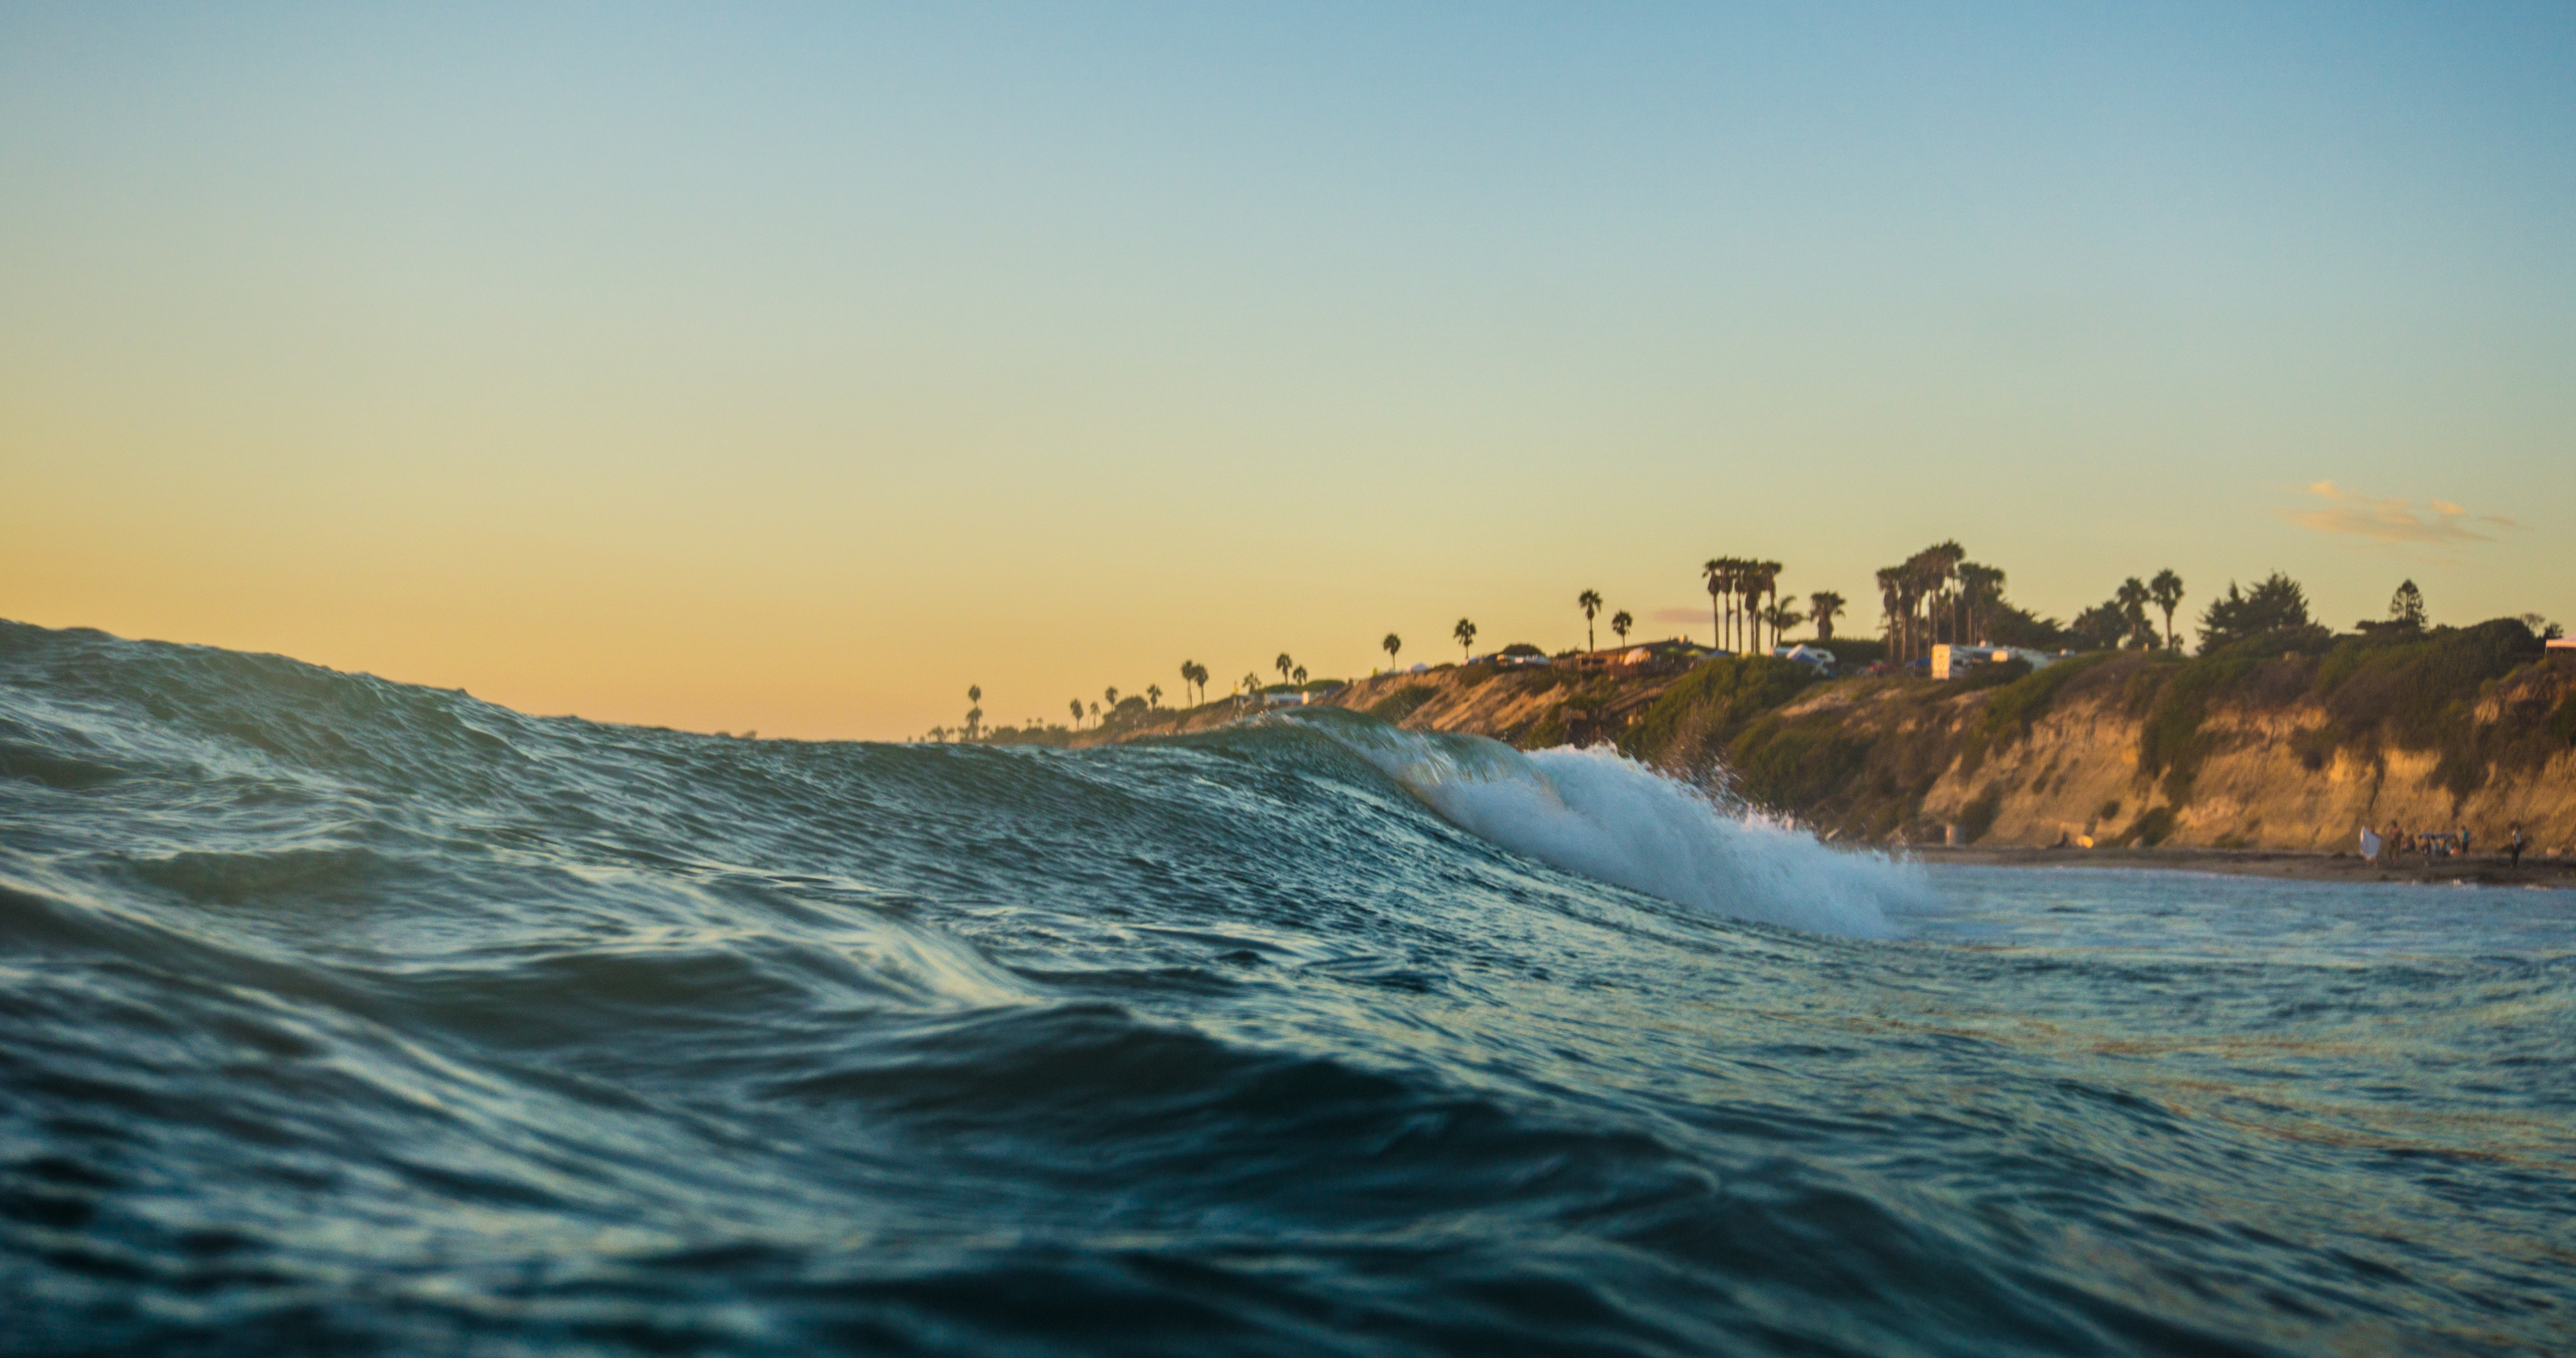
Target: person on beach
[2513,845]
[2394,837]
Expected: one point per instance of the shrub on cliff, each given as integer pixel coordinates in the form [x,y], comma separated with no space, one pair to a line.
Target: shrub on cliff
[1706,708]
[2309,639]
[1992,675]
[2170,741]
[1796,766]
[1400,704]
[2019,704]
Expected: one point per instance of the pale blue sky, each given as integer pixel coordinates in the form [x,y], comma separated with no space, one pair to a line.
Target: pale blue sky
[795,370]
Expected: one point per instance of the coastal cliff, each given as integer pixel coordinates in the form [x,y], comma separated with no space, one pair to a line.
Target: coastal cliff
[2292,742]
[2142,750]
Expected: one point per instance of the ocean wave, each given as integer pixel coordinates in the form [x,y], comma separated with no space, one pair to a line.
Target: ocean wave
[341,1015]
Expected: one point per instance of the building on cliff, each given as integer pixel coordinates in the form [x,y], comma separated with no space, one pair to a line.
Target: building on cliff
[1653,657]
[1955,662]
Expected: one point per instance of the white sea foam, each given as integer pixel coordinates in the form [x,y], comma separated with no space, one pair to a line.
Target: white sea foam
[1609,817]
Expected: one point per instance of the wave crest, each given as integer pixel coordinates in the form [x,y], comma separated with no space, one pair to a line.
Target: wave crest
[1601,814]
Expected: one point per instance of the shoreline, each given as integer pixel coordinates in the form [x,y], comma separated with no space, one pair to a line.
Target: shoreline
[2480,869]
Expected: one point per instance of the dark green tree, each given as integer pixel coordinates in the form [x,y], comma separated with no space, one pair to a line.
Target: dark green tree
[2132,600]
[2274,604]
[2406,607]
[1823,607]
[2166,591]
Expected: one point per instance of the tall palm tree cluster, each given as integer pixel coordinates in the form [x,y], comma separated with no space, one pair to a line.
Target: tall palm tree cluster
[1935,596]
[1736,588]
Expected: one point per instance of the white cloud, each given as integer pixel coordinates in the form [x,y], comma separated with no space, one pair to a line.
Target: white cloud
[2439,522]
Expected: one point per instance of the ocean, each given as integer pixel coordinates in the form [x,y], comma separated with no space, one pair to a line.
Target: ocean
[341,1016]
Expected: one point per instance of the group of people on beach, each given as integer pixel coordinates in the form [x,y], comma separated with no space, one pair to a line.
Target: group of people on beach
[2386,847]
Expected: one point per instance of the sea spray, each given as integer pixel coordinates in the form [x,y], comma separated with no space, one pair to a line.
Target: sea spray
[1601,814]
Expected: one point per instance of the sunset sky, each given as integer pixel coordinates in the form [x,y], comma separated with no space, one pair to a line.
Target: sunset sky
[795,371]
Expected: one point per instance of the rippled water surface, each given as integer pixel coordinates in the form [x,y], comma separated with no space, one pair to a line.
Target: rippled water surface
[341,1016]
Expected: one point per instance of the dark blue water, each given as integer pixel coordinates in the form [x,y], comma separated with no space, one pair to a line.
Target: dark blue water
[339,1016]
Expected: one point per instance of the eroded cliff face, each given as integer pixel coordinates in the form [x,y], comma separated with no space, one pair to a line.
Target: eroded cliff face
[2269,777]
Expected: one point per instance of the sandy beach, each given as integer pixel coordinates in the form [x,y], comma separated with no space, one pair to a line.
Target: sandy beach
[2480,869]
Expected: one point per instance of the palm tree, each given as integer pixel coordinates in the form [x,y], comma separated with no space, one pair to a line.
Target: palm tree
[2166,591]
[1823,607]
[1110,694]
[1590,602]
[1717,571]
[2132,599]
[1780,618]
[1077,714]
[1153,695]
[1979,587]
[1391,645]
[1766,585]
[974,721]
[1283,664]
[1620,622]
[1251,685]
[1465,632]
[1889,578]
[1189,673]
[1915,596]
[1739,610]
[1298,677]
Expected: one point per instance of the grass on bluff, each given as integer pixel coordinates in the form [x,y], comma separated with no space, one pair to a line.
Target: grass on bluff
[2027,698]
[1708,707]
[1402,703]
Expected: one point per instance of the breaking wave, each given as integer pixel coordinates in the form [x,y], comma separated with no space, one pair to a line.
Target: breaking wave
[1596,812]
